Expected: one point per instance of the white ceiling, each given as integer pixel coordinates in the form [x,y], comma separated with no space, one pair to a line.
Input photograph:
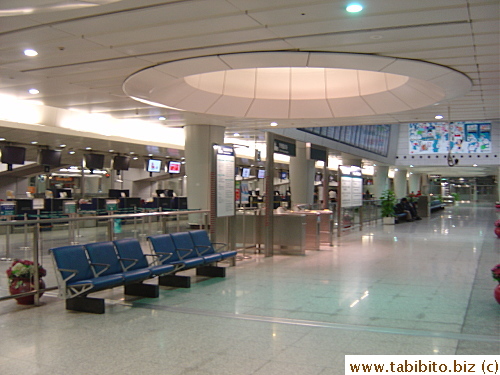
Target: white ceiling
[86,54]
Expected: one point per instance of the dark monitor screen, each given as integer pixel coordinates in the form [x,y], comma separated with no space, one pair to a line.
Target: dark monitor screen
[153,165]
[174,167]
[94,161]
[118,193]
[13,155]
[130,202]
[50,157]
[121,163]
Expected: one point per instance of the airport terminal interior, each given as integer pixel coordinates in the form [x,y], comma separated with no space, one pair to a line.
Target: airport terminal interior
[343,155]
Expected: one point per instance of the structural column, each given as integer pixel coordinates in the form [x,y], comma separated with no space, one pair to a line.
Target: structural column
[400,183]
[414,183]
[380,180]
[301,176]
[198,151]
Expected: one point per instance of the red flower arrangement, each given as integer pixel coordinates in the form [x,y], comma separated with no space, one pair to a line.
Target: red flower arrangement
[495,271]
[24,269]
[497,223]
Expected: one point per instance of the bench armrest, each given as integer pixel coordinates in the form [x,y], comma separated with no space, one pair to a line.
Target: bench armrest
[164,256]
[184,252]
[73,273]
[98,273]
[219,245]
[201,249]
[134,261]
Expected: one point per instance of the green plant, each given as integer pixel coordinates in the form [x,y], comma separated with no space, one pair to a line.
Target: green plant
[455,196]
[388,201]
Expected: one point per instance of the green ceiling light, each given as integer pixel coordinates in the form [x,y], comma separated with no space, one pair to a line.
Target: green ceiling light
[354,8]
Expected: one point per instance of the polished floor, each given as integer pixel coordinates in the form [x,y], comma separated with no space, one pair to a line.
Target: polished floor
[414,288]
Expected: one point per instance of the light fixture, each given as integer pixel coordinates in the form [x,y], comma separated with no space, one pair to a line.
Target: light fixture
[62,146]
[411,165]
[30,52]
[111,150]
[88,148]
[162,118]
[439,117]
[135,158]
[71,152]
[274,123]
[236,134]
[474,165]
[34,142]
[2,139]
[354,8]
[33,91]
[396,170]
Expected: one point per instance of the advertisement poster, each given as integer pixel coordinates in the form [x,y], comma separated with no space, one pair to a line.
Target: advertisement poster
[225,164]
[456,137]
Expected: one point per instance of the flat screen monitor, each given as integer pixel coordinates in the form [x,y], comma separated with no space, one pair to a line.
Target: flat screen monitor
[63,193]
[174,167]
[50,157]
[13,155]
[118,193]
[153,165]
[94,161]
[261,173]
[283,175]
[245,172]
[318,177]
[121,163]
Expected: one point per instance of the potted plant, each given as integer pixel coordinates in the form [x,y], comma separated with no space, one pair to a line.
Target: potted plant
[388,201]
[21,279]
[495,271]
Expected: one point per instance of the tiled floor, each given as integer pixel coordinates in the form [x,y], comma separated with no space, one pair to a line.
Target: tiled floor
[414,288]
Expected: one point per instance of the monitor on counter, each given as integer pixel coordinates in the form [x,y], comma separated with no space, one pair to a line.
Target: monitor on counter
[153,165]
[174,167]
[261,173]
[245,172]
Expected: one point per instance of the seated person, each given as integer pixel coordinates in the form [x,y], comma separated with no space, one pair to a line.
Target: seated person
[407,206]
[400,209]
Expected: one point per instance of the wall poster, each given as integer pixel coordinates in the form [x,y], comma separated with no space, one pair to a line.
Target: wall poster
[225,184]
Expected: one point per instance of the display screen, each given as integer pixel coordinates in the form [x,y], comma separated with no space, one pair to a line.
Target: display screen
[261,173]
[153,165]
[94,161]
[121,163]
[245,172]
[50,157]
[283,175]
[13,155]
[174,167]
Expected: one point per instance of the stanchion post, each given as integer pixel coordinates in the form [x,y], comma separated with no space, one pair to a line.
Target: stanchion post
[36,250]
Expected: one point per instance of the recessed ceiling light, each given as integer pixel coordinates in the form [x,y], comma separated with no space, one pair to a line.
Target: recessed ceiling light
[131,152]
[34,142]
[150,154]
[274,123]
[111,150]
[236,134]
[71,152]
[30,52]
[33,91]
[438,117]
[162,118]
[135,158]
[354,8]
[411,165]
[62,146]
[474,165]
[2,139]
[88,148]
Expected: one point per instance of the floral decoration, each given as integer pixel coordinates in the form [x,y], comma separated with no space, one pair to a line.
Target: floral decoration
[23,269]
[497,223]
[495,271]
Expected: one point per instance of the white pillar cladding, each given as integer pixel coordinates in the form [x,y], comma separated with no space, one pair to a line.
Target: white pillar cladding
[198,151]
[414,183]
[380,180]
[301,176]
[400,183]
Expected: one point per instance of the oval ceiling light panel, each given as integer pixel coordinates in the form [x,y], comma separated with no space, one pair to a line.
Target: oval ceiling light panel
[295,85]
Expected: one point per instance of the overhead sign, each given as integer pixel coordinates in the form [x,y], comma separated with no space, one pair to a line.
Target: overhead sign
[285,148]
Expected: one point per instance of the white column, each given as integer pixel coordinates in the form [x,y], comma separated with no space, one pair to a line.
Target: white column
[301,176]
[400,184]
[380,180]
[198,151]
[414,183]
